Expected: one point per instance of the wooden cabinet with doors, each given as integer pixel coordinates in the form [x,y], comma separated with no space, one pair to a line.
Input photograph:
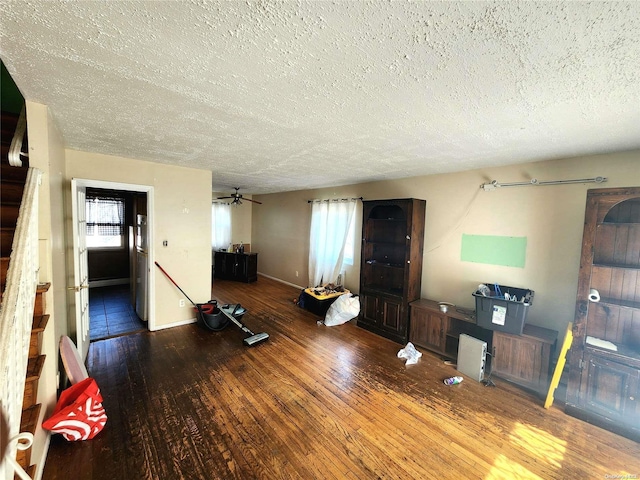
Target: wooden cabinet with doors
[604,361]
[440,332]
[428,328]
[384,311]
[242,267]
[611,388]
[391,264]
[524,359]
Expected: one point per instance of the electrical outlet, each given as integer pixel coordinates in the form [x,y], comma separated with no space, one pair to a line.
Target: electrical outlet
[182,302]
[296,273]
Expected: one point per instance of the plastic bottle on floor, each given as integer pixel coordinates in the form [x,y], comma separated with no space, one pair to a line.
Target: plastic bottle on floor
[452,380]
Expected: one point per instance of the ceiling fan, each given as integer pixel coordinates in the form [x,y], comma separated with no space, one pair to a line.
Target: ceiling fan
[237,198]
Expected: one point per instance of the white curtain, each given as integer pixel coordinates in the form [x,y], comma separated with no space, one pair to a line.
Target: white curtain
[220,225]
[330,222]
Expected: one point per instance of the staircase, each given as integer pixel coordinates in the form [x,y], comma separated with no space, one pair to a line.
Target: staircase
[30,409]
[12,186]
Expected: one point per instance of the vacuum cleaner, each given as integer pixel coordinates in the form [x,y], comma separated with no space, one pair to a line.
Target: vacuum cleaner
[235,313]
[217,318]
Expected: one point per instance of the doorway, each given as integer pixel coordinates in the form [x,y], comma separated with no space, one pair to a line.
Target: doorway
[116,296]
[106,269]
[111,313]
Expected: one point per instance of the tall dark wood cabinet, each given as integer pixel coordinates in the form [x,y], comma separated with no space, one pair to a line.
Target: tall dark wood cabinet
[604,378]
[391,265]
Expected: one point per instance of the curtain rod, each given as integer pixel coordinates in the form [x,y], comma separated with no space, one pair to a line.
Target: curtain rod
[534,181]
[335,199]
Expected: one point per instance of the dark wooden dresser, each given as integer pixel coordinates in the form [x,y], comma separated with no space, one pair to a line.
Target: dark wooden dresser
[242,267]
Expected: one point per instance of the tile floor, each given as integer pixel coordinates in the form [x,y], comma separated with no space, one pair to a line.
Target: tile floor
[111,313]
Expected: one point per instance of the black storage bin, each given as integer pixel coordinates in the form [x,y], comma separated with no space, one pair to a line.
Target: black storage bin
[315,305]
[515,312]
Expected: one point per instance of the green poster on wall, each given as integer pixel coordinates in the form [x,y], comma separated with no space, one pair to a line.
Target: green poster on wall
[494,250]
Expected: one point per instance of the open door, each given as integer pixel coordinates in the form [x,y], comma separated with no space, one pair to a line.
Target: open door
[80,285]
[80,267]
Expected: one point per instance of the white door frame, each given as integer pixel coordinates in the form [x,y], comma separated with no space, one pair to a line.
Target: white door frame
[80,268]
[130,187]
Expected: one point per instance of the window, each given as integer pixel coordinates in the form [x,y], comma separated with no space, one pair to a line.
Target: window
[331,224]
[105,221]
[349,246]
[220,225]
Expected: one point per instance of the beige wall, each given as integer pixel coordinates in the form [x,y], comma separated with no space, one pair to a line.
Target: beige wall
[181,216]
[46,153]
[551,217]
[281,234]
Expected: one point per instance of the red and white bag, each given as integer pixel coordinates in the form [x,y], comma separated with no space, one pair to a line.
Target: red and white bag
[79,414]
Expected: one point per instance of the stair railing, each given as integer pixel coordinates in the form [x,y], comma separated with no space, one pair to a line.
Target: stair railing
[16,319]
[15,149]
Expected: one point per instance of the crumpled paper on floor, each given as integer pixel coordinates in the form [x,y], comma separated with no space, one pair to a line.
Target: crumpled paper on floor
[410,353]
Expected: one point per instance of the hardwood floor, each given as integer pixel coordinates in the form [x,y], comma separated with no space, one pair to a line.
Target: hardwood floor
[315,402]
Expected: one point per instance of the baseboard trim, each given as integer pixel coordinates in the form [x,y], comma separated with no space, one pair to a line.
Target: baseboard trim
[181,323]
[194,320]
[281,281]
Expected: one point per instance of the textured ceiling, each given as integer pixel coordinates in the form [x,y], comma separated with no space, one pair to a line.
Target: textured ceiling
[274,96]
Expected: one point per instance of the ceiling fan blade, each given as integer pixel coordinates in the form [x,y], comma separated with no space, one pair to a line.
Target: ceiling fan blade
[238,198]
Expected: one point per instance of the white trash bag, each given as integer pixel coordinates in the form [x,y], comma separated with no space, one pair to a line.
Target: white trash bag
[410,353]
[345,308]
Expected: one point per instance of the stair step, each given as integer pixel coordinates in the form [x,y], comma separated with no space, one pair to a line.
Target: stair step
[34,370]
[11,193]
[31,471]
[39,324]
[9,174]
[28,423]
[40,305]
[4,266]
[9,122]
[9,215]
[6,240]
[40,302]
[34,367]
[4,152]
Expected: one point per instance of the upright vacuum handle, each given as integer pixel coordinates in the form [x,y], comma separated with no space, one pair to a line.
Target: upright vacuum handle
[173,281]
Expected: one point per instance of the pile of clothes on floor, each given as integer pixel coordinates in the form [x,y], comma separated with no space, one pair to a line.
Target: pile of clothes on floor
[327,289]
